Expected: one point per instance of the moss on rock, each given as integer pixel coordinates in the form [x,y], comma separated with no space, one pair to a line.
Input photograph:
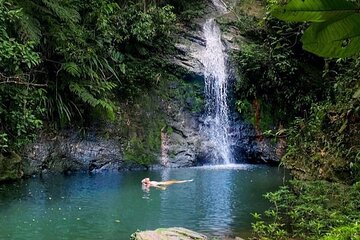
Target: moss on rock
[10,166]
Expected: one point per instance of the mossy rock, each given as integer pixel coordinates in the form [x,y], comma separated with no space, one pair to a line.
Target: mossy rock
[175,233]
[10,166]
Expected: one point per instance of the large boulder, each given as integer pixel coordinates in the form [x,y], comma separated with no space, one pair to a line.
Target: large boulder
[175,233]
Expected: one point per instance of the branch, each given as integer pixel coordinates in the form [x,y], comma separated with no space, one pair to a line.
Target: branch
[18,80]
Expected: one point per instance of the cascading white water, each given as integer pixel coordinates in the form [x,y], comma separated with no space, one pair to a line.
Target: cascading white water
[217,124]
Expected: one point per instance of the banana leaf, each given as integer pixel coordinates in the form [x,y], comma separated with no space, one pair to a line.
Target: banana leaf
[337,38]
[314,10]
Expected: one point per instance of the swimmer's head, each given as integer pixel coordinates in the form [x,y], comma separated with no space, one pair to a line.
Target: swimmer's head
[145,180]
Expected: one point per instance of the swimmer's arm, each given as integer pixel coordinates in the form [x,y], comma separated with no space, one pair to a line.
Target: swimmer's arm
[173,182]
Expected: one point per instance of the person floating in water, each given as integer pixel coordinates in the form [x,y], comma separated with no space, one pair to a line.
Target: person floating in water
[162,185]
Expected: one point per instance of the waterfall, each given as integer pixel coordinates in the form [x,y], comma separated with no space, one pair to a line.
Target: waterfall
[217,123]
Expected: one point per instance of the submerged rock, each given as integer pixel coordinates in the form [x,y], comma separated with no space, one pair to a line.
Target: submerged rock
[175,233]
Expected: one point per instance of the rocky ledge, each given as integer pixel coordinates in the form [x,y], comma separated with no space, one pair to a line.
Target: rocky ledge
[69,151]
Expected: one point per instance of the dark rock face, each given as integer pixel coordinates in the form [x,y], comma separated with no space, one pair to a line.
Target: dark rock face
[262,152]
[189,146]
[189,46]
[185,139]
[69,152]
[247,147]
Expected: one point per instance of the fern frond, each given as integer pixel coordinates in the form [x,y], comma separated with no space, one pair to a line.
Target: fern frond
[106,105]
[117,56]
[65,13]
[108,86]
[101,88]
[91,73]
[90,99]
[72,68]
[29,28]
[109,108]
[83,94]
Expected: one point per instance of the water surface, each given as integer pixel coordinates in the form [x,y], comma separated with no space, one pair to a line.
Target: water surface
[114,205]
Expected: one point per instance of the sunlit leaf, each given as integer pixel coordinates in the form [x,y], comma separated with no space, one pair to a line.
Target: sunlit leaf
[340,38]
[357,94]
[314,10]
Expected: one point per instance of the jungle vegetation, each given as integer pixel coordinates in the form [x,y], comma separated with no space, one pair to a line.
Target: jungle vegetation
[303,73]
[70,63]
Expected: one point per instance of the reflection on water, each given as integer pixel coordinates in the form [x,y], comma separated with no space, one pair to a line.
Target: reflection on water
[113,205]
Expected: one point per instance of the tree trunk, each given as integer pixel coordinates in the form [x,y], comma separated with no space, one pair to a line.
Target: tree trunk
[257,108]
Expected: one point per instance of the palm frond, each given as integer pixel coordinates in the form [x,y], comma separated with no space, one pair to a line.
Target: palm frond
[29,28]
[65,13]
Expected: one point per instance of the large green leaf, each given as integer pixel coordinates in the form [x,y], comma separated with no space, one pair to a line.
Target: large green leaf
[339,39]
[314,10]
[357,94]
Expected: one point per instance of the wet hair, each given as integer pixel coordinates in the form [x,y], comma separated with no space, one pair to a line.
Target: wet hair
[145,180]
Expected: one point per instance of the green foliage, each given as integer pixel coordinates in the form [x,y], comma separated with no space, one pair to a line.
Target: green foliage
[143,126]
[310,210]
[314,11]
[322,110]
[3,141]
[335,39]
[287,81]
[246,109]
[188,94]
[321,116]
[21,105]
[335,31]
[87,55]
[15,55]
[82,45]
[154,22]
[188,9]
[351,231]
[325,144]
[140,153]
[21,112]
